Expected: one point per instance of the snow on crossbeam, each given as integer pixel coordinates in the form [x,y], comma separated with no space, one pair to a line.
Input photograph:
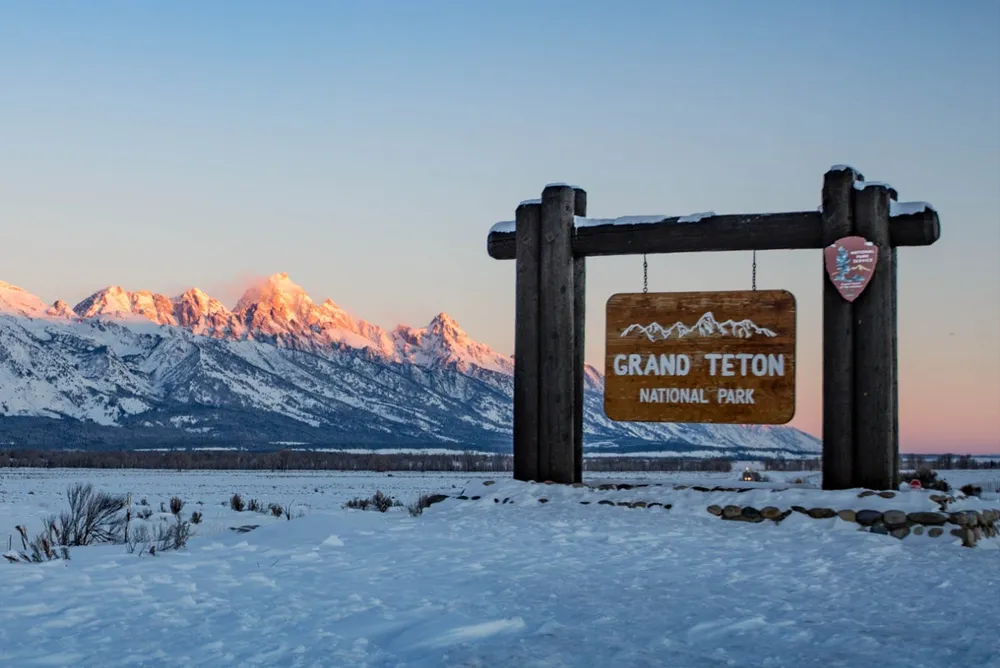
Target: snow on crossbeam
[912,225]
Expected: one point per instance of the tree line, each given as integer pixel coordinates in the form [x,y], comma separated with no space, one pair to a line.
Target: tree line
[311,460]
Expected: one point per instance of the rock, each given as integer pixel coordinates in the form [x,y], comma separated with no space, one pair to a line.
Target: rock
[867,518]
[606,487]
[625,486]
[800,509]
[821,513]
[887,495]
[487,483]
[505,500]
[880,529]
[967,535]
[543,500]
[964,518]
[751,513]
[901,532]
[605,502]
[929,518]
[731,511]
[496,500]
[770,512]
[655,504]
[246,528]
[624,504]
[699,488]
[918,530]
[680,486]
[847,515]
[476,498]
[585,503]
[977,533]
[894,518]
[935,532]
[462,497]
[579,484]
[668,506]
[783,515]
[865,493]
[639,504]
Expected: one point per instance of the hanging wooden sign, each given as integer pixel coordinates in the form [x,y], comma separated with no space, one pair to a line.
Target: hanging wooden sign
[850,262]
[715,357]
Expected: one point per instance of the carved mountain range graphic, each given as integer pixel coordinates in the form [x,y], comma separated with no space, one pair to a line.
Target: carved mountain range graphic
[706,326]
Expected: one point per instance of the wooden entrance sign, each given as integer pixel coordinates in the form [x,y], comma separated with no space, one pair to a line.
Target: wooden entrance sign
[551,238]
[716,357]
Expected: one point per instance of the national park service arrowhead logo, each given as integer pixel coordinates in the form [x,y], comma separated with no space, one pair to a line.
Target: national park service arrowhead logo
[850,262]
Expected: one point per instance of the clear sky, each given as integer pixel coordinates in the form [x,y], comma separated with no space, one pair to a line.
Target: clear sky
[365,148]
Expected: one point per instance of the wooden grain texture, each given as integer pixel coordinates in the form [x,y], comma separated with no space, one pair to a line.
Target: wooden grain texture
[768,231]
[633,317]
[579,341]
[838,341]
[895,373]
[874,401]
[526,342]
[557,331]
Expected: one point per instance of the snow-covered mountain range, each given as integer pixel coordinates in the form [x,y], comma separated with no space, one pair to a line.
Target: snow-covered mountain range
[707,325]
[140,369]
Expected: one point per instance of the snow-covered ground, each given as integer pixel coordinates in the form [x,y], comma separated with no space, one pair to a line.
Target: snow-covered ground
[483,583]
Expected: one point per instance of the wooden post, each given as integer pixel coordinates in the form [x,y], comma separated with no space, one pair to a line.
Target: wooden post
[875,439]
[579,339]
[557,412]
[838,340]
[895,378]
[526,342]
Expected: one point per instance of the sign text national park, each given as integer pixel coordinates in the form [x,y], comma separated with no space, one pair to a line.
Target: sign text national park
[720,357]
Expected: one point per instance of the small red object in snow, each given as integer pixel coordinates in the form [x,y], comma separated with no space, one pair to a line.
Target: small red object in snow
[915,484]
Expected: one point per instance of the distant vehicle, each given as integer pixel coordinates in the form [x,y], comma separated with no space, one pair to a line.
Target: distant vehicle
[751,476]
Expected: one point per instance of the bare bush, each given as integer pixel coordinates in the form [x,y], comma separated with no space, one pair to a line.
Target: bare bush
[276,509]
[196,517]
[144,513]
[417,507]
[45,546]
[176,505]
[140,536]
[971,490]
[254,506]
[236,503]
[173,536]
[379,501]
[93,517]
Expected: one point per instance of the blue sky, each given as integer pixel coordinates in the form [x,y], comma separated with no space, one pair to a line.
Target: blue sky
[366,148]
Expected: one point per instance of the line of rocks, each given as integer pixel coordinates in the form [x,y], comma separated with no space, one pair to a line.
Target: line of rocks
[971,526]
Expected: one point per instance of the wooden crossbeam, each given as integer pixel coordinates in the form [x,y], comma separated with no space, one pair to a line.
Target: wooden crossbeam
[916,226]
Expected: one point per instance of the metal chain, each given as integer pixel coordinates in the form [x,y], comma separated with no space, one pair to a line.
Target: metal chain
[754,280]
[645,275]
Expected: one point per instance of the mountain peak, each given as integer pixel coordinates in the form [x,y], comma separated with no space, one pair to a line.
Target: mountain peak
[446,325]
[18,301]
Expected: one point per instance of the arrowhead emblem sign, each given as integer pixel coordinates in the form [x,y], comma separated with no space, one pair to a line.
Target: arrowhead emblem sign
[850,263]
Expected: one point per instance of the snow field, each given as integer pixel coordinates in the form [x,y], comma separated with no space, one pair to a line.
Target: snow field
[483,583]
